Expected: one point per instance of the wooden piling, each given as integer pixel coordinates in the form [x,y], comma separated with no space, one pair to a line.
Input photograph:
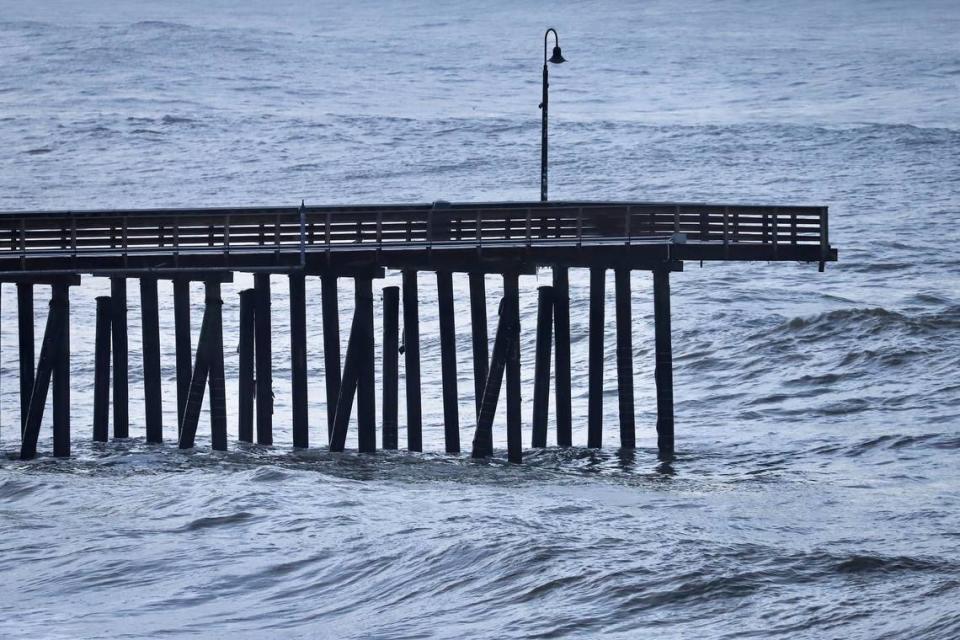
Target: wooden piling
[198,383]
[625,359]
[247,386]
[264,360]
[478,326]
[331,344]
[61,373]
[541,376]
[121,364]
[216,378]
[411,361]
[348,384]
[391,365]
[298,358]
[366,379]
[182,342]
[101,371]
[664,362]
[25,324]
[561,321]
[511,294]
[595,359]
[49,353]
[448,362]
[152,393]
[503,345]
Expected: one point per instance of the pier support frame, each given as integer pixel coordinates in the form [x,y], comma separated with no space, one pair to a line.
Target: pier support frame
[664,363]
[503,346]
[208,369]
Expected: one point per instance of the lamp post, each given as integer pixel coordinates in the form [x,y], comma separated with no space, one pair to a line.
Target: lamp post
[556,58]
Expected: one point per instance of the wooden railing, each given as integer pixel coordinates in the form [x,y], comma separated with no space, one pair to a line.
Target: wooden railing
[313,229]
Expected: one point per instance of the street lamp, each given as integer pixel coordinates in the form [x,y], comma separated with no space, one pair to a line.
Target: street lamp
[556,58]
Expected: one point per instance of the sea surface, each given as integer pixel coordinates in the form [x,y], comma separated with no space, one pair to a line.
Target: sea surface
[816,490]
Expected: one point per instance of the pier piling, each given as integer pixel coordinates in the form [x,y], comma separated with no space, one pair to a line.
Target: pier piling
[246,386]
[502,346]
[298,359]
[664,362]
[330,310]
[541,376]
[561,323]
[595,359]
[628,438]
[216,378]
[391,365]
[152,393]
[366,381]
[264,359]
[61,372]
[183,343]
[25,324]
[511,295]
[121,364]
[348,384]
[411,360]
[50,352]
[448,361]
[478,326]
[101,371]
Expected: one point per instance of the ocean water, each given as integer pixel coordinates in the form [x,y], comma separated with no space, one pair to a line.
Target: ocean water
[816,489]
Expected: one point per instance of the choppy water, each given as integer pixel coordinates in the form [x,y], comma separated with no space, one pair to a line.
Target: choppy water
[815,493]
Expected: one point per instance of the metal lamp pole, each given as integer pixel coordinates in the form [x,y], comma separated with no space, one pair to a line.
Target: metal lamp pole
[556,58]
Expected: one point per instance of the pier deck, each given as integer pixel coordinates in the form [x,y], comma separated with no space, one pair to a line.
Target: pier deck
[57,247]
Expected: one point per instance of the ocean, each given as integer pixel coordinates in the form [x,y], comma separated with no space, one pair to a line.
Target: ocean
[816,488]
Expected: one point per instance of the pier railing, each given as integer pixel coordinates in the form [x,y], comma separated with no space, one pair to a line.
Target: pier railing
[285,230]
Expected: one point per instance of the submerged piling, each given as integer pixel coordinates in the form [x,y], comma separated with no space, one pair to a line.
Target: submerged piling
[366,382]
[511,295]
[61,372]
[183,343]
[625,359]
[478,327]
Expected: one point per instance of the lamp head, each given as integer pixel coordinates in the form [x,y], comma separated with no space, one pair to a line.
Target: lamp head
[557,57]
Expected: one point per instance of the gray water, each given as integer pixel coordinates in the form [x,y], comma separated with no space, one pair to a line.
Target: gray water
[815,492]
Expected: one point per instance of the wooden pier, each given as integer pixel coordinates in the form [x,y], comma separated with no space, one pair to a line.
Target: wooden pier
[359,242]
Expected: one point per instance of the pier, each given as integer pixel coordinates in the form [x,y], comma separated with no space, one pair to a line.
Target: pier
[326,245]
